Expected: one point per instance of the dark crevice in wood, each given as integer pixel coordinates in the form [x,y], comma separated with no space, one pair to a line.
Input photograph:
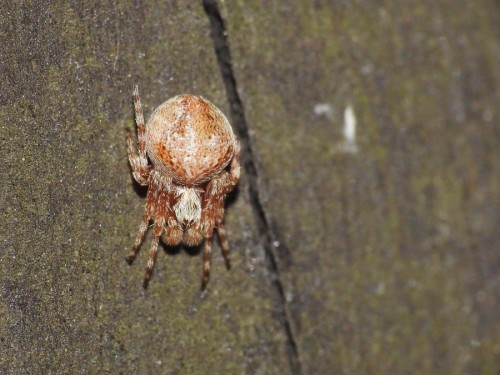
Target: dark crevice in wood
[268,235]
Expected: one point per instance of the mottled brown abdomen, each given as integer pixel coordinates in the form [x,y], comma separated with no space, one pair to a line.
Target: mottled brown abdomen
[189,139]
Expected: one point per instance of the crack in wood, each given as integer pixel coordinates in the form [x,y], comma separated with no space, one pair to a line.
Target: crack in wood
[268,235]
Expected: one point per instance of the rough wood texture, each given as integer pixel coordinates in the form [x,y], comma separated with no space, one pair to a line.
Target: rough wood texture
[379,256]
[69,301]
[388,255]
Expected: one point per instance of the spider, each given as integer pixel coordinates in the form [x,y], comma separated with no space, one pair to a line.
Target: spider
[195,159]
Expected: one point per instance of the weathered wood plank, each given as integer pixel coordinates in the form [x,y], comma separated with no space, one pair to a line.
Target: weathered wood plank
[387,243]
[378,255]
[69,302]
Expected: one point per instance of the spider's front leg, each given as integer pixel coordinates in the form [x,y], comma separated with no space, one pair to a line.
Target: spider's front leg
[213,209]
[146,218]
[234,169]
[160,211]
[138,162]
[213,213]
[228,182]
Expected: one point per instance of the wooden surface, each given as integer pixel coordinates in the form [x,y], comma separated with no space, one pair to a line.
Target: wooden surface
[374,255]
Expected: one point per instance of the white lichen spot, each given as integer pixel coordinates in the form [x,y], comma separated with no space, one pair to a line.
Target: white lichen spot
[323,109]
[349,130]
[348,144]
[475,343]
[380,288]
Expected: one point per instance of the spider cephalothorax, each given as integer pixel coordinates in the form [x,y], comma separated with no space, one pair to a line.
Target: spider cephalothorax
[195,163]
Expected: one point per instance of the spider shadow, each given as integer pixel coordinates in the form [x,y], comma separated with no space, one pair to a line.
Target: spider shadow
[192,251]
[232,196]
[141,191]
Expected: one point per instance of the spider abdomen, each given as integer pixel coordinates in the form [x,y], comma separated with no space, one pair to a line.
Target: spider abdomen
[189,139]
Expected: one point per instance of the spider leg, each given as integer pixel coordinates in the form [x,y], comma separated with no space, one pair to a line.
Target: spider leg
[192,235]
[228,181]
[158,229]
[148,213]
[139,162]
[234,170]
[173,232]
[141,128]
[213,212]
[223,243]
[140,236]
[207,258]
[159,223]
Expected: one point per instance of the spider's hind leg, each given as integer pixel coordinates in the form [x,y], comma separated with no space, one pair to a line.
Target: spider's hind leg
[158,228]
[148,213]
[207,258]
[224,244]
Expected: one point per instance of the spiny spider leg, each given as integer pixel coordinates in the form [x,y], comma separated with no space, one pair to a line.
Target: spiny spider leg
[207,258]
[234,169]
[141,128]
[172,236]
[148,213]
[223,243]
[158,227]
[139,163]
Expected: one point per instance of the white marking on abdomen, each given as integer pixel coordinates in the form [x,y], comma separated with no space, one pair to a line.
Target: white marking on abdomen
[188,207]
